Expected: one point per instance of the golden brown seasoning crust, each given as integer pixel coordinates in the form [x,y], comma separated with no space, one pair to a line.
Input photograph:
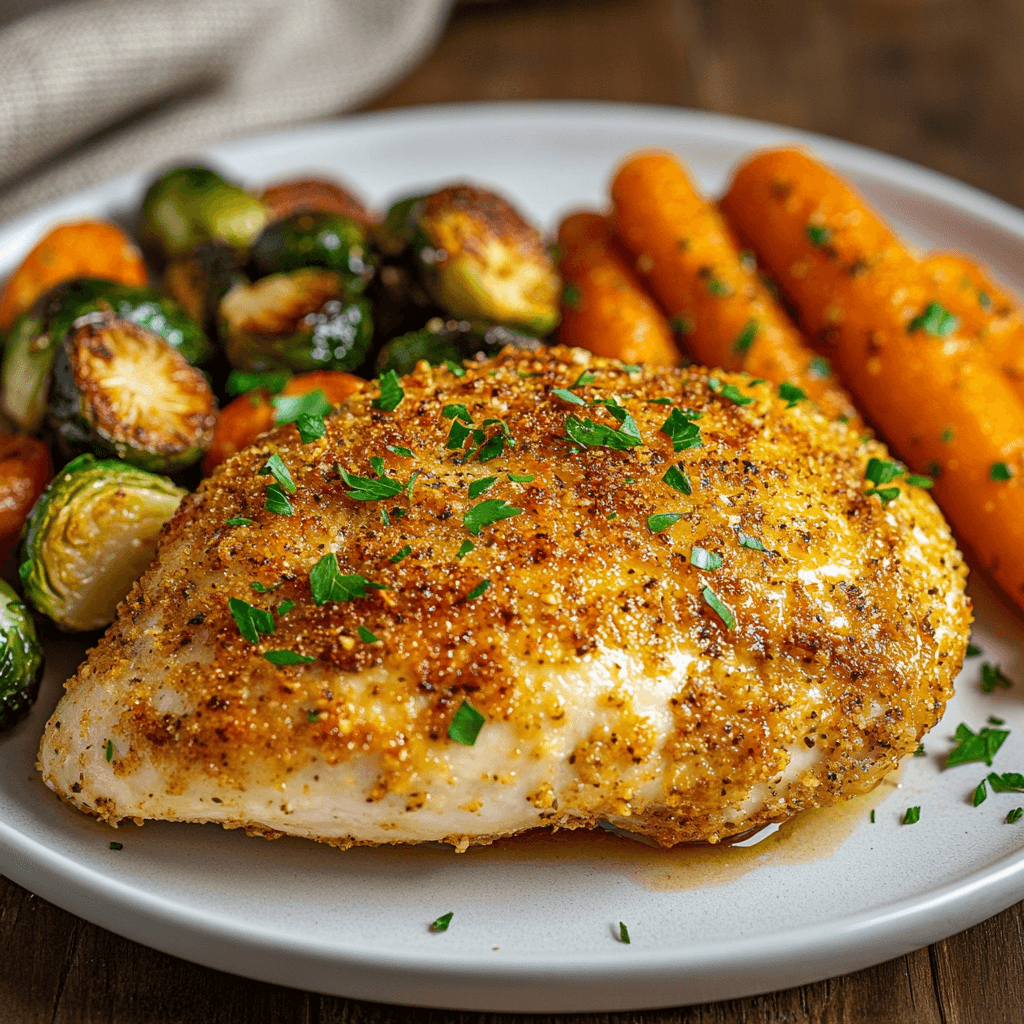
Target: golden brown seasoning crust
[610,686]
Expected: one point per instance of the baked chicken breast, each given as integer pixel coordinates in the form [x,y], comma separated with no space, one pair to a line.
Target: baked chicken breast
[547,589]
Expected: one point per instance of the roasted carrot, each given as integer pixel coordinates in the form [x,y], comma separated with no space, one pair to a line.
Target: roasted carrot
[687,254]
[243,420]
[604,307]
[299,195]
[940,405]
[25,470]
[987,314]
[88,248]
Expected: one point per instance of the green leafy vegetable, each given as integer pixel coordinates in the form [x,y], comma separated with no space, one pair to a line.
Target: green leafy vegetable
[912,816]
[285,607]
[661,521]
[935,320]
[681,431]
[1008,782]
[465,548]
[571,295]
[238,521]
[327,583]
[729,391]
[993,676]
[391,393]
[972,651]
[568,396]
[288,408]
[791,394]
[240,382]
[251,621]
[455,368]
[584,378]
[477,487]
[441,924]
[818,235]
[1000,471]
[364,488]
[980,794]
[261,589]
[277,501]
[493,510]
[310,427]
[109,752]
[521,478]
[746,337]
[275,467]
[753,543]
[114,845]
[287,658]
[466,724]
[479,590]
[623,933]
[1015,815]
[971,746]
[819,366]
[721,610]
[366,636]
[399,450]
[400,554]
[705,559]
[677,480]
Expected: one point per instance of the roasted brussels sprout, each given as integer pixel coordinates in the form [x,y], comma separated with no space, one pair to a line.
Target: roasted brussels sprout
[90,536]
[302,320]
[198,281]
[305,195]
[25,375]
[21,658]
[120,389]
[443,340]
[314,240]
[480,259]
[189,205]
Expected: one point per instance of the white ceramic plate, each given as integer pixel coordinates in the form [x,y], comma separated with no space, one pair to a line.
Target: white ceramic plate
[536,919]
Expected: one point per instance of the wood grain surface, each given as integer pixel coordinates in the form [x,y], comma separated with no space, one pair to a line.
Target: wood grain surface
[940,82]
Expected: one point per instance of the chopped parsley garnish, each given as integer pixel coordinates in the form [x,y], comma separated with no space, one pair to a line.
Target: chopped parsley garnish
[571,295]
[658,401]
[947,435]
[591,434]
[311,428]
[677,480]
[985,301]
[109,752]
[992,720]
[464,549]
[819,366]
[1015,815]
[493,510]
[364,488]
[251,621]
[288,408]
[623,933]
[681,431]
[971,746]
[238,521]
[312,716]
[466,725]
[746,541]
[275,467]
[718,288]
[631,369]
[885,494]
[261,589]
[400,554]
[479,590]
[729,391]
[912,816]
[611,516]
[586,377]
[457,436]
[287,658]
[457,411]
[661,521]
[521,478]
[920,752]
[240,382]
[991,677]
[1000,471]
[881,471]
[1008,782]
[277,501]
[972,651]
[746,337]
[441,924]
[399,450]
[366,636]
[327,583]
[681,325]
[872,817]
[477,487]
[285,607]
[114,845]
[455,368]
[721,610]
[568,396]
[791,394]
[391,393]
[917,480]
[704,559]
[818,234]
[935,320]
[980,794]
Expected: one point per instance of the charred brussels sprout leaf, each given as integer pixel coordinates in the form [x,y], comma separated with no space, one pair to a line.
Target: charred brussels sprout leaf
[301,320]
[483,262]
[28,358]
[90,536]
[198,281]
[21,658]
[400,226]
[327,240]
[120,389]
[189,205]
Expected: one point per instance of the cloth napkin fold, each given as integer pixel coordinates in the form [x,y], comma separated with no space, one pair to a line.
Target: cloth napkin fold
[130,84]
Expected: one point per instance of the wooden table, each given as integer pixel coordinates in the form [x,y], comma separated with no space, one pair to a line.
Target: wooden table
[936,81]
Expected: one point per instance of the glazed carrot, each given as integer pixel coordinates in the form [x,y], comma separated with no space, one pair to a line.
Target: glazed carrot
[687,254]
[25,470]
[988,315]
[604,307]
[88,248]
[938,402]
[243,420]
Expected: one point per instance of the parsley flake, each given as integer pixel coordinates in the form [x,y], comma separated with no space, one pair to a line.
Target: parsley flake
[457,436]
[818,234]
[477,487]
[972,651]
[277,501]
[791,394]
[971,746]
[109,752]
[920,752]
[363,488]
[985,301]
[464,549]
[681,325]
[238,521]
[466,724]
[251,621]
[1008,782]
[704,559]
[872,817]
[917,480]
[261,589]
[936,321]
[457,370]
[912,816]
[885,494]
[568,396]
[819,366]
[312,716]
[746,337]
[746,541]
[287,658]
[718,288]
[661,521]
[288,408]
[947,435]
[457,411]
[571,295]
[980,794]
[721,610]
[311,428]
[366,636]
[991,677]
[681,431]
[441,924]
[328,583]
[623,933]
[677,480]
[114,845]
[1015,815]
[584,378]
[729,391]
[1000,471]
[488,512]
[881,471]
[400,554]
[285,607]
[590,434]
[275,467]
[391,393]
[399,450]
[521,478]
[479,590]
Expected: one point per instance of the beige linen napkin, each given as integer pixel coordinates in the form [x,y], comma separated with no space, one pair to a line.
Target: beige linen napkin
[136,84]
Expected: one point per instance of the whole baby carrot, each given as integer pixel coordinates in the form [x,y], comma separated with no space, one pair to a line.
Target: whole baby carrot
[688,256]
[604,307]
[929,390]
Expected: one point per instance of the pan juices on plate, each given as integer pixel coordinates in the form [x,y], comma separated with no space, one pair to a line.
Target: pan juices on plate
[544,589]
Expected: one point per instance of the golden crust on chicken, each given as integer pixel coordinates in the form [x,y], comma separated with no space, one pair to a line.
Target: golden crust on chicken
[666,599]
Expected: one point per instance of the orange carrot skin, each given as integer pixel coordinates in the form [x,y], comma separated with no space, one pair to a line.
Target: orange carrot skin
[88,248]
[988,315]
[940,405]
[25,470]
[688,255]
[244,419]
[604,307]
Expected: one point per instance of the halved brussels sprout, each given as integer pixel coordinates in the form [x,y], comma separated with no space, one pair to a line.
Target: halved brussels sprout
[481,260]
[90,536]
[198,281]
[327,240]
[442,340]
[301,320]
[21,658]
[28,357]
[120,389]
[189,205]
